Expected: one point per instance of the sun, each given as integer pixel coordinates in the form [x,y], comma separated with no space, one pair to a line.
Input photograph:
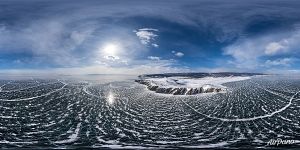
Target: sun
[110,49]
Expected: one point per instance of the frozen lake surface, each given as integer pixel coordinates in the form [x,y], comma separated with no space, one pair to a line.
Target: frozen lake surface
[116,112]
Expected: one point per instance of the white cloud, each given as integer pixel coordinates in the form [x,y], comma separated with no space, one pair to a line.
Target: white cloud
[178,54]
[245,54]
[248,53]
[288,44]
[148,29]
[279,62]
[147,36]
[155,45]
[153,58]
[111,61]
[273,48]
[47,40]
[112,58]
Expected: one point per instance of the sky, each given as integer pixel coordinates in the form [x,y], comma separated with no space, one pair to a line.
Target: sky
[149,36]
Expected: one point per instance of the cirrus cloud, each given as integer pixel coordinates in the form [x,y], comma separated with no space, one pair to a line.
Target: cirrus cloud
[147,36]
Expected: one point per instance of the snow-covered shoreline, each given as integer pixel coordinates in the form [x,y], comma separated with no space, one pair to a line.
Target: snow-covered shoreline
[189,86]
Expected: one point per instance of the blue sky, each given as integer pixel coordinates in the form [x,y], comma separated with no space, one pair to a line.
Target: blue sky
[142,36]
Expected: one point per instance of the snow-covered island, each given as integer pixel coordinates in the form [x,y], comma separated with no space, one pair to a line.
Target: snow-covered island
[191,84]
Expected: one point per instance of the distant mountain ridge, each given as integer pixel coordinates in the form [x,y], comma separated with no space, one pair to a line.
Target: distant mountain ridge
[199,75]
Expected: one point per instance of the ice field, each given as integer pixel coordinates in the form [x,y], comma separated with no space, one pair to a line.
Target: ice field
[87,112]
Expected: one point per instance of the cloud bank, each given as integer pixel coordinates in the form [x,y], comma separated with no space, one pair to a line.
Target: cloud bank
[233,35]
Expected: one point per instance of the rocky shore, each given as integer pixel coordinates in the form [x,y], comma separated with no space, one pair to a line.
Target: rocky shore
[180,90]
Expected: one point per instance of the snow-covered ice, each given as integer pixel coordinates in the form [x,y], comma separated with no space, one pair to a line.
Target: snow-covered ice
[186,82]
[189,86]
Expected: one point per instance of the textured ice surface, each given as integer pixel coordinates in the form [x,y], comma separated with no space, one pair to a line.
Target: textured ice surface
[90,114]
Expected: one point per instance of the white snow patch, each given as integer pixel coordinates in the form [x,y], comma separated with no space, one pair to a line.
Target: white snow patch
[186,82]
[72,138]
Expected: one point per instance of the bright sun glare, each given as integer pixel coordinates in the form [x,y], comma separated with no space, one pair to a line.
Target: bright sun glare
[110,98]
[110,49]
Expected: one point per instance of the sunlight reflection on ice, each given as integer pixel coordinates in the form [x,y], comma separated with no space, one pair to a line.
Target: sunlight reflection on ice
[110,98]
